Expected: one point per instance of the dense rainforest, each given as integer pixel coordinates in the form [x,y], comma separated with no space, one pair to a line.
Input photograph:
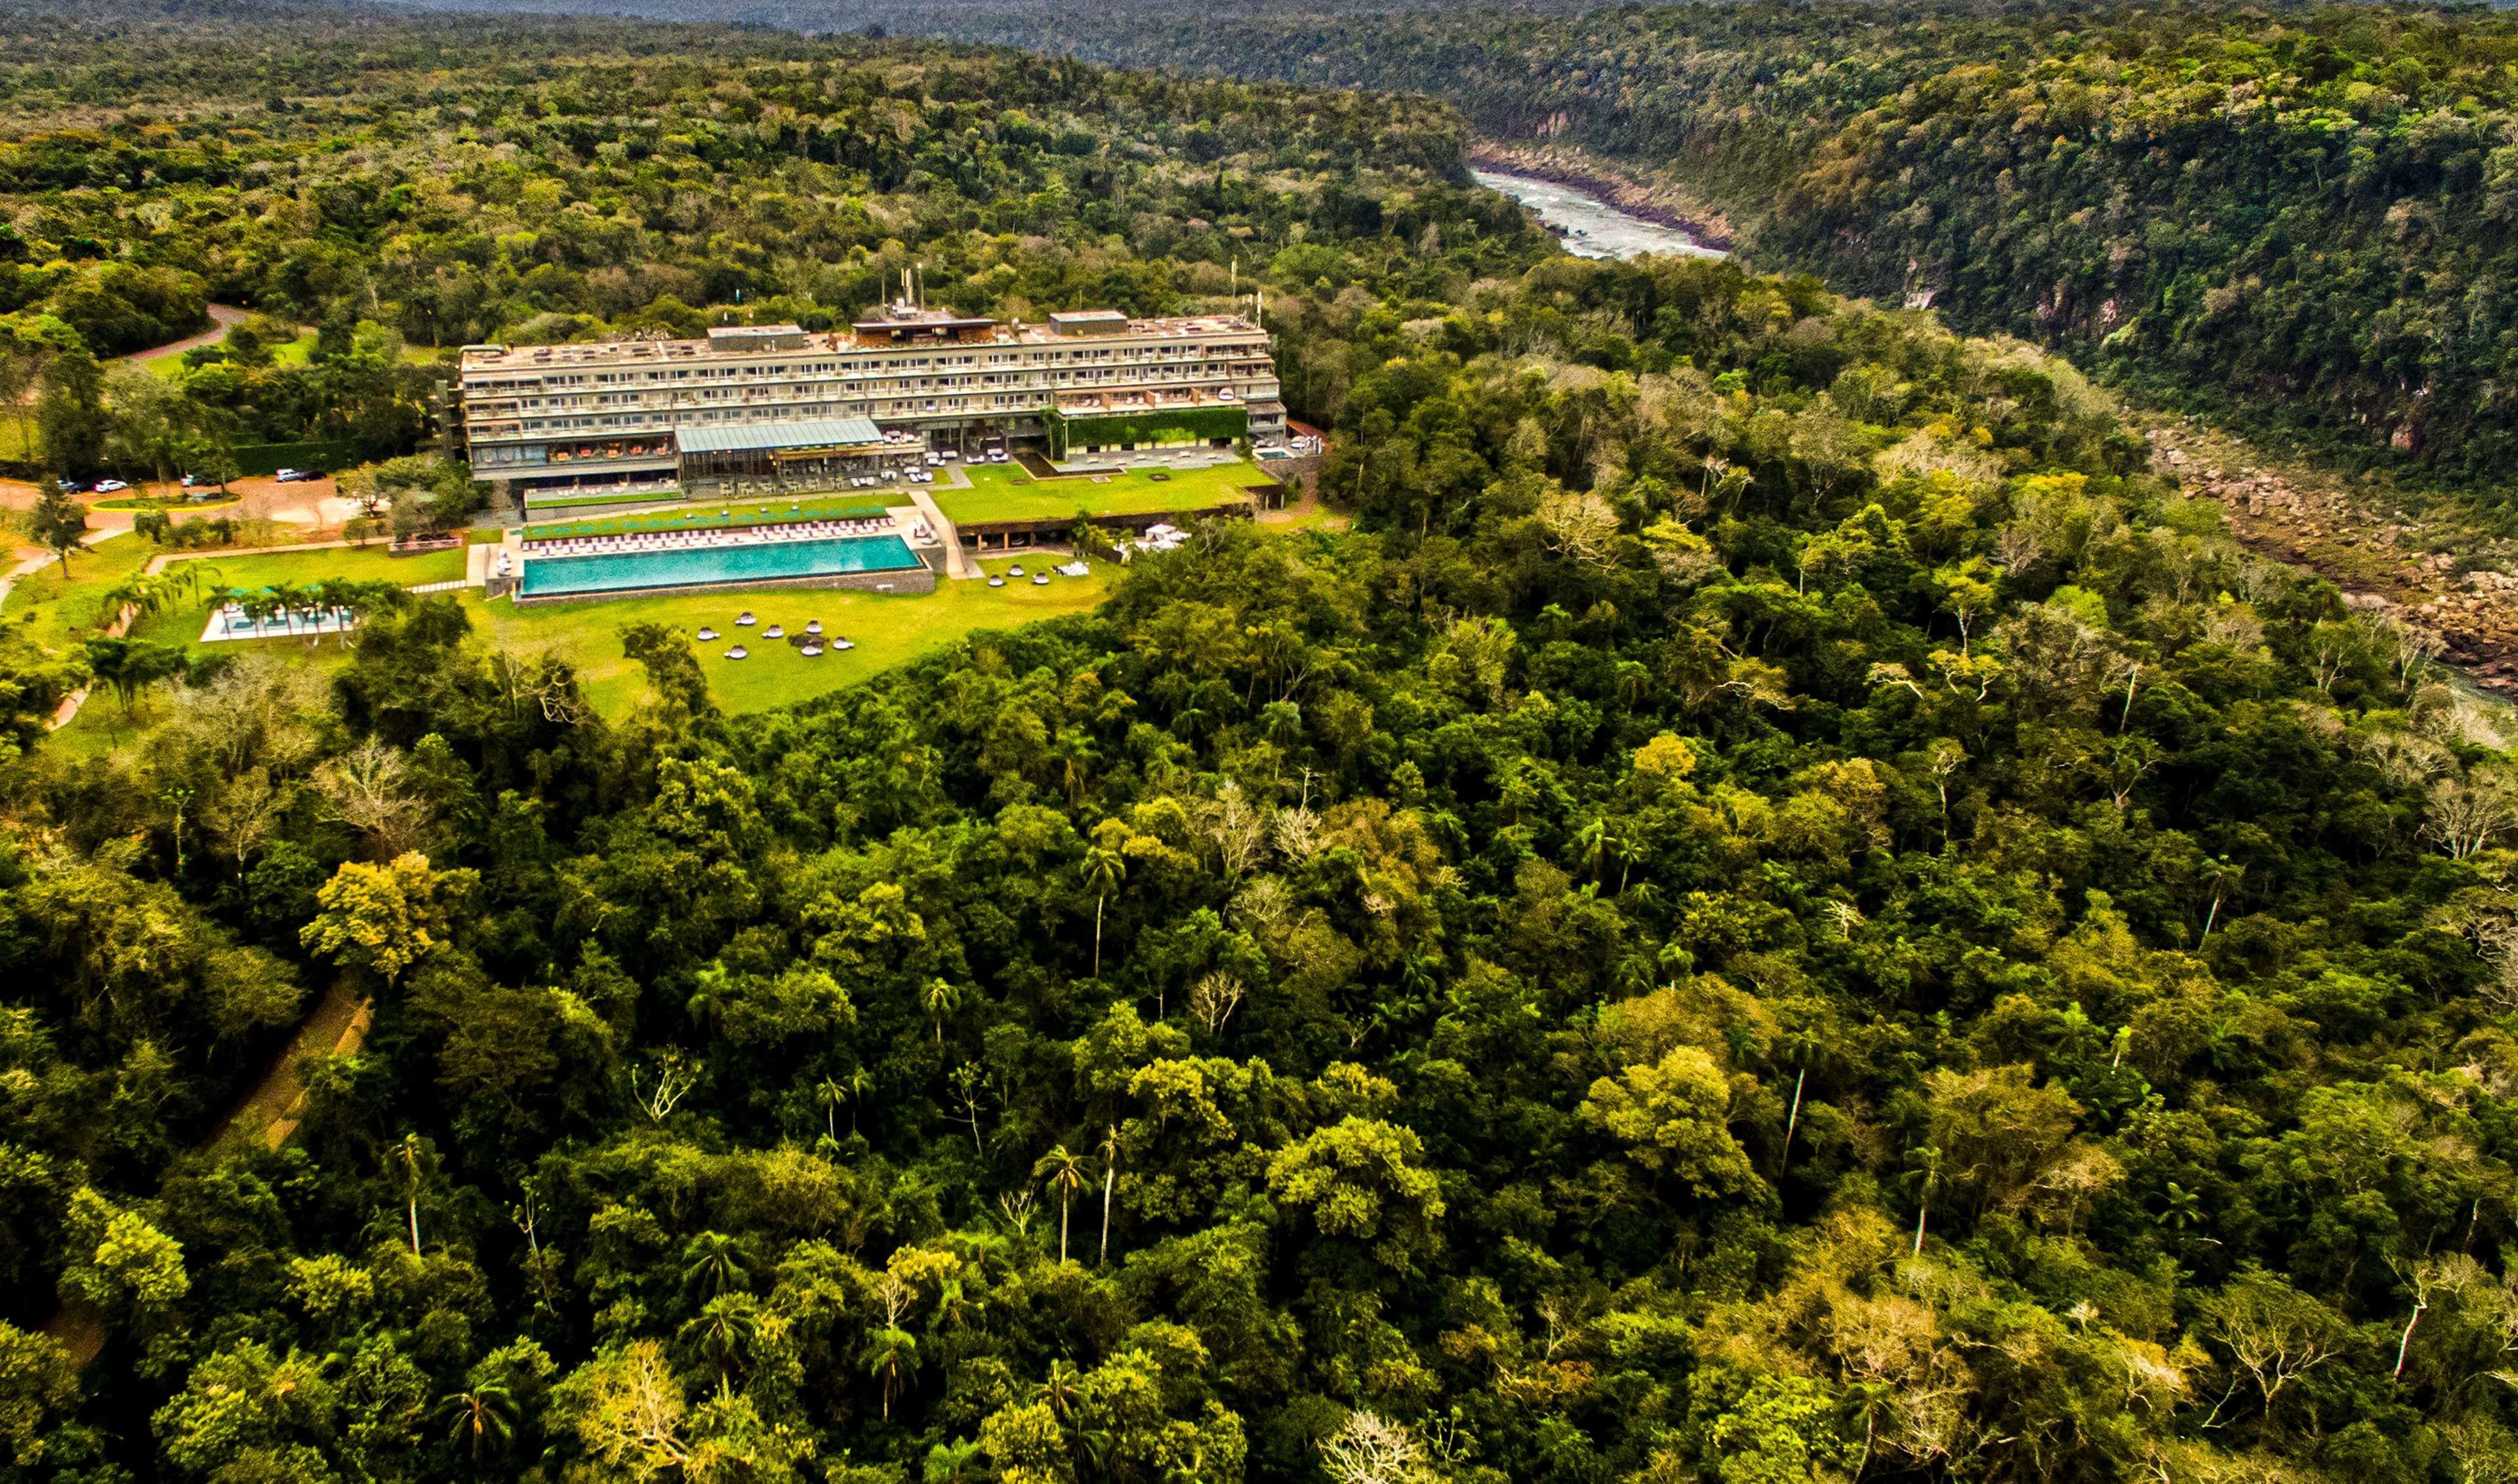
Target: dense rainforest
[1776,908]
[406,185]
[2297,217]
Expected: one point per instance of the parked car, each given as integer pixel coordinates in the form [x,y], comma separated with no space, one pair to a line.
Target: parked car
[69,485]
[111,487]
[292,476]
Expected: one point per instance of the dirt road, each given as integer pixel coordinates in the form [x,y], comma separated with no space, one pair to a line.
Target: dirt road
[269,1111]
[223,318]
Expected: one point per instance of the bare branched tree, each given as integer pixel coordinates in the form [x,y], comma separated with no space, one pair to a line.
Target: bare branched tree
[2463,817]
[1371,1450]
[367,788]
[1236,830]
[1213,999]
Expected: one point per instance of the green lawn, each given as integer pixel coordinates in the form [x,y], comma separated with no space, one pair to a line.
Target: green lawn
[61,611]
[887,628]
[858,504]
[359,563]
[295,353]
[1005,492]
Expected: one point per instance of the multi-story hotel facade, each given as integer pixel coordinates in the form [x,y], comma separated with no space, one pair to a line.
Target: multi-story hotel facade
[647,418]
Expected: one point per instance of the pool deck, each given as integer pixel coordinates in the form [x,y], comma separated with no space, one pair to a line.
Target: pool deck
[918,579]
[522,546]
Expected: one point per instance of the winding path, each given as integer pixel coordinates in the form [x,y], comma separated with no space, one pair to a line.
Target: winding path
[269,1110]
[223,318]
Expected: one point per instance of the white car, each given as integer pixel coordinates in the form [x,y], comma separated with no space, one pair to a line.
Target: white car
[291,476]
[111,487]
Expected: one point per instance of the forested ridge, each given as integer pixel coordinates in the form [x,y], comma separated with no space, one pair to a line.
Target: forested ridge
[1778,908]
[408,183]
[2295,216]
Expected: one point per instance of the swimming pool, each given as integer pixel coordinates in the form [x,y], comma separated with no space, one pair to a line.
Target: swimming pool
[705,566]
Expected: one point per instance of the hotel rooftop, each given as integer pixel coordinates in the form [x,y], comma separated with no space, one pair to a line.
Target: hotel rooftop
[894,330]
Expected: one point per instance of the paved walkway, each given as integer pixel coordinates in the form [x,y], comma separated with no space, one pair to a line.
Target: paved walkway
[70,703]
[955,563]
[70,708]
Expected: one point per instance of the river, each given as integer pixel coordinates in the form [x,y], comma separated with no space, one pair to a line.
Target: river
[1590,226]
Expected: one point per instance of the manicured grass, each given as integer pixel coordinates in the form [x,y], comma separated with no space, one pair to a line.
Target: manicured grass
[270,569]
[861,505]
[58,611]
[887,628]
[1006,492]
[295,353]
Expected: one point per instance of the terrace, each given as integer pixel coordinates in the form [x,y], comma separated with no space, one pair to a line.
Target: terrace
[1003,494]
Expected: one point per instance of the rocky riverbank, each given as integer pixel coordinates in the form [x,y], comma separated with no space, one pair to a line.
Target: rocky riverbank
[2443,578]
[1630,191]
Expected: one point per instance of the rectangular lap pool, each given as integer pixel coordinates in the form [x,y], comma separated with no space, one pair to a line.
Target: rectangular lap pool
[547,577]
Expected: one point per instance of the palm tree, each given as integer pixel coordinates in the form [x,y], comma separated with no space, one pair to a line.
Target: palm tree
[952,1462]
[484,1415]
[1059,1391]
[2184,1207]
[1866,1399]
[1281,721]
[1064,1172]
[714,1261]
[887,1352]
[832,1096]
[1924,1177]
[1109,1176]
[1104,869]
[1075,754]
[723,1331]
[1801,1042]
[860,1087]
[939,999]
[412,1154]
[1593,839]
[1599,843]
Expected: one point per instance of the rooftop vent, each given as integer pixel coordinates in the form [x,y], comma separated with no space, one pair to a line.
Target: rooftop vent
[1089,321]
[753,338]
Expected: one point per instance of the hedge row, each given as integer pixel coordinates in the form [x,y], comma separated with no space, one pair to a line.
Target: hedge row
[1205,423]
[259,459]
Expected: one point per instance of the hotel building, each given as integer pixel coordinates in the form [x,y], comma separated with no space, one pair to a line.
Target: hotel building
[774,407]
